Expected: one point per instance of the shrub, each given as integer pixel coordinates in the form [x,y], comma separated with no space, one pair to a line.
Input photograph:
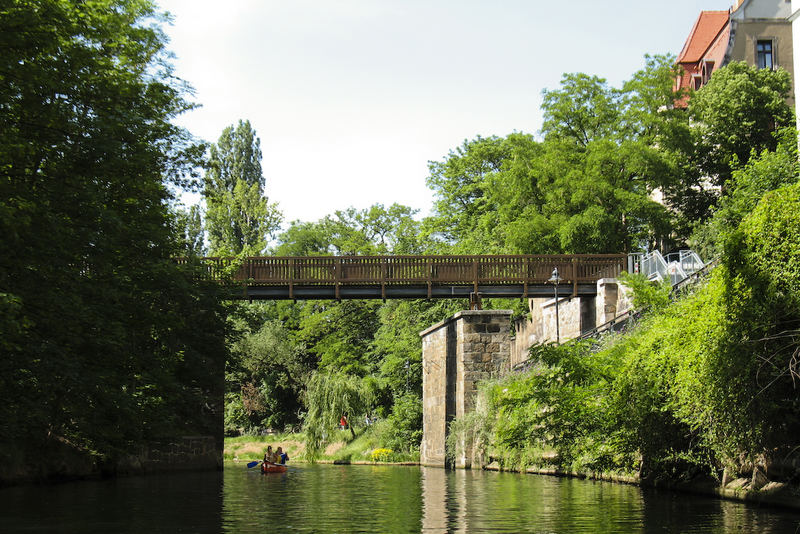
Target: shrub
[772,235]
[382,455]
[402,430]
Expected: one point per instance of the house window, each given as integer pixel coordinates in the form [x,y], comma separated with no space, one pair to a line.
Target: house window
[764,55]
[707,69]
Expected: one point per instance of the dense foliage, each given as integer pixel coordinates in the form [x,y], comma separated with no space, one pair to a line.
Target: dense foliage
[705,383]
[105,342]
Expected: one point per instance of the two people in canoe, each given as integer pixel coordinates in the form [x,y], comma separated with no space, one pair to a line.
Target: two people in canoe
[276,458]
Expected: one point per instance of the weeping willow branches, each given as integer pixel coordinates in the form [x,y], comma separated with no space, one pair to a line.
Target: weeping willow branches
[332,396]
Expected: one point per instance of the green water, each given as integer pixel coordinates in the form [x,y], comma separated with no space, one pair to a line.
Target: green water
[327,498]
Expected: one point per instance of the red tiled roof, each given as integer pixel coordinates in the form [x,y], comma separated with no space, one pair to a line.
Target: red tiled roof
[705,30]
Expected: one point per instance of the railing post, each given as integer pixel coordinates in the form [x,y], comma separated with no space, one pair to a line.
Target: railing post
[383,278]
[475,274]
[574,277]
[429,274]
[337,272]
[525,276]
[291,278]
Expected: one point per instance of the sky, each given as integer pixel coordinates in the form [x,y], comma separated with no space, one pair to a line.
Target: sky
[352,98]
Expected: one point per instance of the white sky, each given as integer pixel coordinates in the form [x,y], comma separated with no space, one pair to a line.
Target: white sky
[352,98]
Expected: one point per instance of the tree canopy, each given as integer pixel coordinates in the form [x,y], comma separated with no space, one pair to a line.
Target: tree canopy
[104,336]
[239,217]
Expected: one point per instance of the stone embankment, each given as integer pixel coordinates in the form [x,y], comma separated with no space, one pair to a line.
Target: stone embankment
[62,461]
[756,489]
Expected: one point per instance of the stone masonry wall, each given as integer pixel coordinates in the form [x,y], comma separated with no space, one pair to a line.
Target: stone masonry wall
[456,354]
[575,317]
[434,394]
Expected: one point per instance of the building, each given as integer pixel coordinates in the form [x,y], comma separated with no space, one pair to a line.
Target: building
[758,32]
[704,50]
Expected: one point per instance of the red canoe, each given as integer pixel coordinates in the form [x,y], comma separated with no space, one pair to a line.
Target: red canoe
[272,468]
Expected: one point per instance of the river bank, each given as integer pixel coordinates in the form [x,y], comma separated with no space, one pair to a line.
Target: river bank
[343,449]
[772,493]
[62,461]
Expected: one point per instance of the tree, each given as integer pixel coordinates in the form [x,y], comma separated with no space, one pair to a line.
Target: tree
[189,226]
[305,239]
[239,217]
[106,341]
[582,110]
[266,376]
[330,397]
[459,184]
[375,230]
[339,334]
[737,113]
[766,172]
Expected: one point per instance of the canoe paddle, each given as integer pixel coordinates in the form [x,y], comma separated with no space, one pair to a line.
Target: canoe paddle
[256,462]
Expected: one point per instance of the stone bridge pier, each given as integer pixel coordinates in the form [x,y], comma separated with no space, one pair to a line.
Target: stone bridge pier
[457,353]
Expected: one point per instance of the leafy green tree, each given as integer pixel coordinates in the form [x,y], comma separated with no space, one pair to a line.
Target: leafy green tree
[339,334]
[189,225]
[582,110]
[402,430]
[239,218]
[772,234]
[459,184]
[737,113]
[107,343]
[266,379]
[305,239]
[748,183]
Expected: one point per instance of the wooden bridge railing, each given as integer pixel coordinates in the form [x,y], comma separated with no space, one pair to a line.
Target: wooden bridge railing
[414,270]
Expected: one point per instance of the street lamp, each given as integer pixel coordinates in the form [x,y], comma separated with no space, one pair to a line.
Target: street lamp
[555,279]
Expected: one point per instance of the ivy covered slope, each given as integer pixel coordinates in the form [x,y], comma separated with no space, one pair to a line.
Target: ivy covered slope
[104,343]
[707,382]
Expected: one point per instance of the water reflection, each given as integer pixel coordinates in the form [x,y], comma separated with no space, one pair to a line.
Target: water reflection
[435,516]
[327,498]
[183,502]
[477,501]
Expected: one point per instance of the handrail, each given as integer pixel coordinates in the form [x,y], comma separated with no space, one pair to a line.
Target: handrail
[385,271]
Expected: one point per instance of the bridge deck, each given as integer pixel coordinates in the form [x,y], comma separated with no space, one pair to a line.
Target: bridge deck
[357,277]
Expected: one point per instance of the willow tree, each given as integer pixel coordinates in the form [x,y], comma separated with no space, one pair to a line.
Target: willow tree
[331,396]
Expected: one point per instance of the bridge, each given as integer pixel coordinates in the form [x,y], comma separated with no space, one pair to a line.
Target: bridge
[398,277]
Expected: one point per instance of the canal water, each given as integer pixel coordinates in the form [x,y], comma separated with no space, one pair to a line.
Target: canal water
[328,498]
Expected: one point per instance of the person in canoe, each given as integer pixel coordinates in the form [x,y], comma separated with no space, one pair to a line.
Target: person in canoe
[269,459]
[282,456]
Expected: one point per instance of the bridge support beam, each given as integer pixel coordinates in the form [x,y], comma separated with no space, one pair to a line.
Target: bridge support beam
[456,354]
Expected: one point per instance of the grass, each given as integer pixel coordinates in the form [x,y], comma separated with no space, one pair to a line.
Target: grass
[342,448]
[248,448]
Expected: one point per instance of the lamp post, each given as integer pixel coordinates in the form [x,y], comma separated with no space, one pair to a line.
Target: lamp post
[555,279]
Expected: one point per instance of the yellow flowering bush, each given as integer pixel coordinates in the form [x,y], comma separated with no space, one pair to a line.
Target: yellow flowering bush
[381,455]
